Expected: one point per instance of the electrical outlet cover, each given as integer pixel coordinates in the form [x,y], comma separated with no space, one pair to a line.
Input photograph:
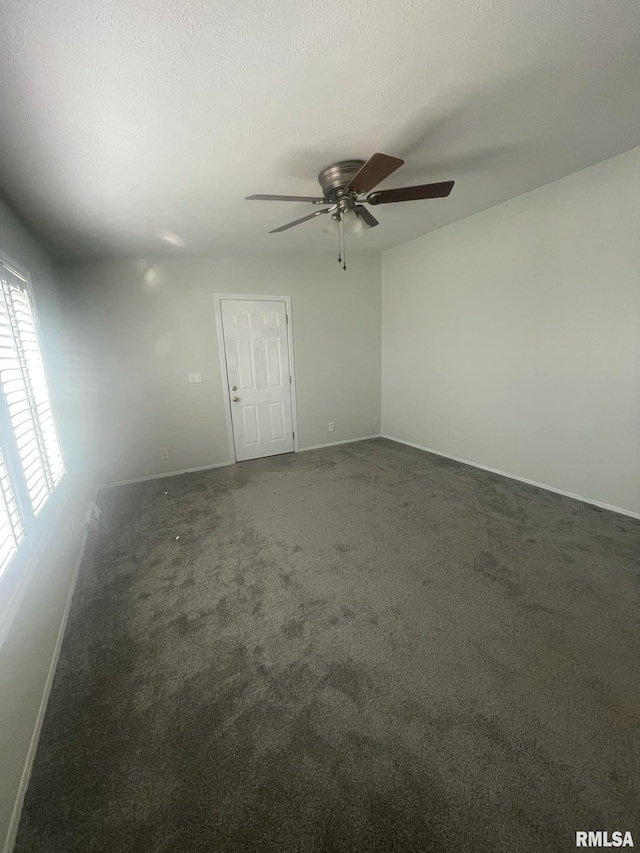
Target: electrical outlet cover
[92,518]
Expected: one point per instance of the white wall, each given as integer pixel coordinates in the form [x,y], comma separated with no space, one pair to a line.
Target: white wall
[144,325]
[28,633]
[518,329]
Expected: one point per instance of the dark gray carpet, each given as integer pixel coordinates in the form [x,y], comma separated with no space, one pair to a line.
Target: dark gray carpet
[358,649]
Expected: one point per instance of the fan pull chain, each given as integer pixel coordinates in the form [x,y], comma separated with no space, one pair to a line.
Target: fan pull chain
[339,238]
[344,246]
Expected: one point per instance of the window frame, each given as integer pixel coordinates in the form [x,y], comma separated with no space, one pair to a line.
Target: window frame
[36,527]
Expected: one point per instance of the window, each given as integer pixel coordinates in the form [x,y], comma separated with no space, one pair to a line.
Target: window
[31,463]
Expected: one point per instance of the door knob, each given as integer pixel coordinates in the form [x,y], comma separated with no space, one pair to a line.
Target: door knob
[234,387]
[235,399]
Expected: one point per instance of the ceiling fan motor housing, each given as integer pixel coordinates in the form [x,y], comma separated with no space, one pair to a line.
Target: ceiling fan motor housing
[335,179]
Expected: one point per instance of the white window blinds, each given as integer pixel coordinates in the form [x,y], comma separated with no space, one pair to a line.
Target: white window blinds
[11,532]
[32,462]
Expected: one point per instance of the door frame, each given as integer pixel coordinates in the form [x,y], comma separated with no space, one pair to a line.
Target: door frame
[252,297]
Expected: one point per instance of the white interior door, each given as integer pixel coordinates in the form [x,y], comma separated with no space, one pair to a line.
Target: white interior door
[258,376]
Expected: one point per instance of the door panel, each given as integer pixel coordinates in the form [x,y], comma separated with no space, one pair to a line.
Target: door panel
[245,364]
[258,376]
[276,421]
[273,362]
[250,425]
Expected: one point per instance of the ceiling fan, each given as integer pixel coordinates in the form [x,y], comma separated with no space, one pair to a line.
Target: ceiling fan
[345,186]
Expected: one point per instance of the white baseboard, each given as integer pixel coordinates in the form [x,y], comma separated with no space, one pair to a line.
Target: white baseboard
[599,504]
[335,443]
[223,464]
[166,474]
[35,738]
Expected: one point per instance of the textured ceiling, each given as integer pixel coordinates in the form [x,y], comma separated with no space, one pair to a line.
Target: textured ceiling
[138,126]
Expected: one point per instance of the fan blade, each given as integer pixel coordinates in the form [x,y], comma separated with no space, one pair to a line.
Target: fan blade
[298,221]
[368,217]
[313,199]
[376,169]
[440,190]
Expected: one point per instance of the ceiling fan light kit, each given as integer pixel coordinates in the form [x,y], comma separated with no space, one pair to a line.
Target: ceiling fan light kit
[345,186]
[333,226]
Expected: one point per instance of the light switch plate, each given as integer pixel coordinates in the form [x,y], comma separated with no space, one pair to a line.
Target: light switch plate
[195,377]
